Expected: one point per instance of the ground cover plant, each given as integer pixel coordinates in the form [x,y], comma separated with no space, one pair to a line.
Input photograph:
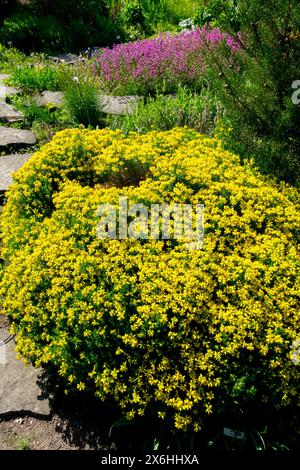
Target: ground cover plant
[159,64]
[156,327]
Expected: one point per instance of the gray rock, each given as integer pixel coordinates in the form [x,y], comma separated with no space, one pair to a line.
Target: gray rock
[118,104]
[19,389]
[53,97]
[11,136]
[6,91]
[8,165]
[9,114]
[109,104]
[68,58]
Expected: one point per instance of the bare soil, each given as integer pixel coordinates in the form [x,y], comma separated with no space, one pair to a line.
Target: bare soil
[54,434]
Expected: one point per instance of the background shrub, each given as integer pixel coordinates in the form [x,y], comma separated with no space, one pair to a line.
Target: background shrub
[29,32]
[138,18]
[256,90]
[156,327]
[6,7]
[65,26]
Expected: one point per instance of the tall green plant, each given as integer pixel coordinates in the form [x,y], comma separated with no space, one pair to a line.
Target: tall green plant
[81,97]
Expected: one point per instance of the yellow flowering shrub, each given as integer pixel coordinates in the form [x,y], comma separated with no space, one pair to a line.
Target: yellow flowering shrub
[150,324]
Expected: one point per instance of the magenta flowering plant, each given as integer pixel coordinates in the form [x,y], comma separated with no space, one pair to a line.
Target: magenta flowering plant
[160,63]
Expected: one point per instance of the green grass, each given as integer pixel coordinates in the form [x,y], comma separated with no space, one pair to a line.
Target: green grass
[22,443]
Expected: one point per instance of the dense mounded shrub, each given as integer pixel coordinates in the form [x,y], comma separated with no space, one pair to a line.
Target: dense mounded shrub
[149,323]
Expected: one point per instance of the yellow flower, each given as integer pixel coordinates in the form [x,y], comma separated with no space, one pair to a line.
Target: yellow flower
[150,324]
[80,386]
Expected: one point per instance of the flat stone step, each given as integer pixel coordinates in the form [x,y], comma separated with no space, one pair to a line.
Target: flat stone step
[118,104]
[50,97]
[9,114]
[11,136]
[19,389]
[109,104]
[8,165]
[67,58]
[6,91]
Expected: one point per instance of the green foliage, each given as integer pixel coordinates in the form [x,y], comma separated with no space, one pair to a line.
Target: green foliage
[219,13]
[133,19]
[198,111]
[34,114]
[65,26]
[180,10]
[38,77]
[140,18]
[81,97]
[28,32]
[81,100]
[256,89]
[10,57]
[68,9]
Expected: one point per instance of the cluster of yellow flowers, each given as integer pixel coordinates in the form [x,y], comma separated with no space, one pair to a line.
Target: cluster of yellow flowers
[149,323]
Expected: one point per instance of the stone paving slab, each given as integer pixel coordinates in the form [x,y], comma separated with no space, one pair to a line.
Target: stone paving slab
[19,389]
[11,136]
[118,104]
[50,97]
[67,58]
[8,165]
[9,114]
[6,91]
[109,104]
